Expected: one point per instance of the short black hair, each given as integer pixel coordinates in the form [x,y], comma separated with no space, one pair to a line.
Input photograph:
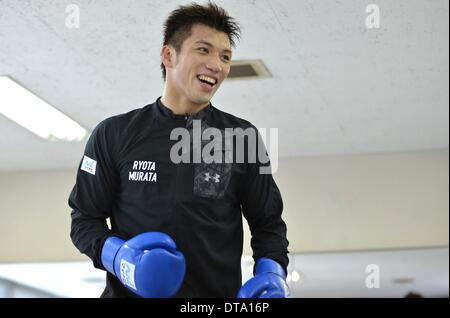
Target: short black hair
[178,26]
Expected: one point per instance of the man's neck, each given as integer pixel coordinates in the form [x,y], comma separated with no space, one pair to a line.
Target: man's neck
[180,105]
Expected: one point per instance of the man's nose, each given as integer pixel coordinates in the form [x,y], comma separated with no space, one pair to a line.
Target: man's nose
[214,65]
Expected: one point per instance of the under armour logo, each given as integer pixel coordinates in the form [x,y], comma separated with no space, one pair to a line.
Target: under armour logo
[208,177]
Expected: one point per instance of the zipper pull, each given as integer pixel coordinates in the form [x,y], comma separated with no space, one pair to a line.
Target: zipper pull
[188,120]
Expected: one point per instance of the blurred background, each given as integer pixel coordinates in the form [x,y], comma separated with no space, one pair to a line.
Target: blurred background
[358,91]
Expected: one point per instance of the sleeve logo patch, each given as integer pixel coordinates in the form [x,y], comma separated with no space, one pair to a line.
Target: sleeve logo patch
[127,273]
[89,165]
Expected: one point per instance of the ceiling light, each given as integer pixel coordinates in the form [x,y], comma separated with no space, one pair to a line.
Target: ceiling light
[295,276]
[34,114]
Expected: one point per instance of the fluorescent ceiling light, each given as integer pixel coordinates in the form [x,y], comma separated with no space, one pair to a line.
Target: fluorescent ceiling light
[34,114]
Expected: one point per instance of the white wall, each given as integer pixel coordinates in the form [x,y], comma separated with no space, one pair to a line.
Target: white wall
[35,216]
[331,204]
[366,202]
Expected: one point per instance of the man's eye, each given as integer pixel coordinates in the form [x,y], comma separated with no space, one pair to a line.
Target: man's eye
[203,49]
[226,58]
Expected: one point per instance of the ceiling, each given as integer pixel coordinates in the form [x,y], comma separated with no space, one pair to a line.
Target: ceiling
[337,87]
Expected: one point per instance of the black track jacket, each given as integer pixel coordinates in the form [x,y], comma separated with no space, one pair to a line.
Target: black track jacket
[126,174]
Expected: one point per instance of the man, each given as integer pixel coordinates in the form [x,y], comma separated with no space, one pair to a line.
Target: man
[176,227]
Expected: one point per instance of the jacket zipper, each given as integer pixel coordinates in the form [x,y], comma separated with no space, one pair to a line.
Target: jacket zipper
[186,119]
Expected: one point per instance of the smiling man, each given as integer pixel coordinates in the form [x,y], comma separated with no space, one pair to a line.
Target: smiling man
[176,228]
[195,68]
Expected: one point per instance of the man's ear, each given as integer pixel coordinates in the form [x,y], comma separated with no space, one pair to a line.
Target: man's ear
[168,56]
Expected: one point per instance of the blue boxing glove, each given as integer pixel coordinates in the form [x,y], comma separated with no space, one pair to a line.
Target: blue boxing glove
[148,264]
[269,281]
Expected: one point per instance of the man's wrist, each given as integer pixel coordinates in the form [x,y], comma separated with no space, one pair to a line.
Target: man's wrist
[268,265]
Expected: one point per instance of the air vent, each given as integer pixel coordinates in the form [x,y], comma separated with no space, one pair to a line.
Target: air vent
[403,280]
[248,69]
[94,280]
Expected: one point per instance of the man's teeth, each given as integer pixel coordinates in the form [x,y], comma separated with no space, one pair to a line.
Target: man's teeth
[208,79]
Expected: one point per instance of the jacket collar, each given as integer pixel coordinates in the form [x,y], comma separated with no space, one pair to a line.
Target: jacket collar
[165,112]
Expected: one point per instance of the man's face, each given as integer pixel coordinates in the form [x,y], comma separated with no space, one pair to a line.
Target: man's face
[202,64]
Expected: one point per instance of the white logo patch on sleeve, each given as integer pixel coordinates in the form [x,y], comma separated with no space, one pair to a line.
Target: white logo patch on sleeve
[89,165]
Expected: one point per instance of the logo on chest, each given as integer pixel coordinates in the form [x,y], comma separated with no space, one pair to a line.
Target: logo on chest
[143,171]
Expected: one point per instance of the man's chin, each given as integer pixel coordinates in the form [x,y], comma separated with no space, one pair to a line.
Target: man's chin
[201,100]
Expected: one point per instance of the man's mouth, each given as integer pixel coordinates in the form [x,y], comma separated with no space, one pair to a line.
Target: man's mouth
[207,80]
